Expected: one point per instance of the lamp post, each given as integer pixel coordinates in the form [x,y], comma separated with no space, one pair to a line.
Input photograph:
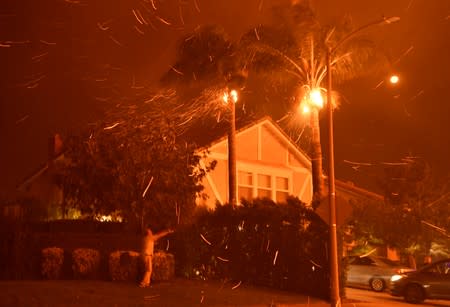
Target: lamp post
[334,268]
[230,98]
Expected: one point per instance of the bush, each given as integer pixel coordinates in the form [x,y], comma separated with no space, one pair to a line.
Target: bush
[260,242]
[86,262]
[123,265]
[52,262]
[163,266]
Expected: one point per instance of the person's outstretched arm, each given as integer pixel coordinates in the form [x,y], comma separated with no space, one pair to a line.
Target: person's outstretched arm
[161,234]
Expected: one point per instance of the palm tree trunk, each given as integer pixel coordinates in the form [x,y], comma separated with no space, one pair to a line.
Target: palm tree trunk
[316,160]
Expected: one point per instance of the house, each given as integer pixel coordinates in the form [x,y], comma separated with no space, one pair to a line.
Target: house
[268,164]
[41,186]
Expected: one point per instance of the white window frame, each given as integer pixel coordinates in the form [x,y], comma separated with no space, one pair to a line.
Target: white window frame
[273,172]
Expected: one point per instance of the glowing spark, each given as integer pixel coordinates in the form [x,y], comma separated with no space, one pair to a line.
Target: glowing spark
[102,98]
[409,5]
[180,13]
[304,108]
[139,30]
[196,6]
[46,42]
[177,212]
[317,265]
[149,297]
[267,247]
[256,33]
[153,4]
[168,244]
[72,1]
[137,17]
[148,186]
[420,93]
[378,85]
[357,163]
[111,127]
[394,163]
[201,299]
[163,21]
[275,258]
[204,239]
[222,259]
[34,83]
[39,57]
[5,45]
[260,5]
[408,51]
[102,26]
[142,17]
[116,41]
[177,71]
[22,119]
[237,285]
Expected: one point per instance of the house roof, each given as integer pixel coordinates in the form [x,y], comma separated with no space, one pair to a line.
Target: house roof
[352,188]
[269,123]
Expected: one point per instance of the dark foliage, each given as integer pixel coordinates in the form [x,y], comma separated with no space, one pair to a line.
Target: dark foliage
[138,168]
[282,246]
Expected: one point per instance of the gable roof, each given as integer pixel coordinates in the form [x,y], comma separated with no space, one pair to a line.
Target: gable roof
[274,128]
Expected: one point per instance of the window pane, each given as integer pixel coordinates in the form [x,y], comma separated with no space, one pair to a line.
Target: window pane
[264,193]
[245,178]
[245,193]
[264,181]
[281,197]
[282,183]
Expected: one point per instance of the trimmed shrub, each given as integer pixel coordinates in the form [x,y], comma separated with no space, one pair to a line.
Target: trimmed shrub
[163,266]
[261,242]
[123,265]
[52,262]
[86,263]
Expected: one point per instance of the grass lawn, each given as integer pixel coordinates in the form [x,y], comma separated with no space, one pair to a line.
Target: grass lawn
[179,292]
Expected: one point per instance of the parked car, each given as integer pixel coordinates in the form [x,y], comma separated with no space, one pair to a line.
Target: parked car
[372,272]
[429,282]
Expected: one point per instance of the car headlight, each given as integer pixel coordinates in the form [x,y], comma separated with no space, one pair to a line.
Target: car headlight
[396,277]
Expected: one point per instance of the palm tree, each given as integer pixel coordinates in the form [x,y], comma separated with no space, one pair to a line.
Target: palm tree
[300,54]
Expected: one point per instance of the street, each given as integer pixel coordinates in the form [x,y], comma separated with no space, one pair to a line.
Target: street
[385,299]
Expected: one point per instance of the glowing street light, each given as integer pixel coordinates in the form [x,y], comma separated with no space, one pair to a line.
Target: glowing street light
[394,79]
[334,269]
[230,97]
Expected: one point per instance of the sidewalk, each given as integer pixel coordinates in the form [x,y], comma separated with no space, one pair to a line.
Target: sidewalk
[179,292]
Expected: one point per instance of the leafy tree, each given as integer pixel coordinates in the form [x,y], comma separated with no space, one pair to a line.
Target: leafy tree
[139,167]
[412,212]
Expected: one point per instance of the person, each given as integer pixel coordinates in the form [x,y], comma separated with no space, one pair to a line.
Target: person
[148,245]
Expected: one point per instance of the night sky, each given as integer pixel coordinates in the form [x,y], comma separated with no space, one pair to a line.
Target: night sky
[63,61]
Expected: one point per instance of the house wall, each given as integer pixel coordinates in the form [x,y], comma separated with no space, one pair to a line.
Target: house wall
[265,160]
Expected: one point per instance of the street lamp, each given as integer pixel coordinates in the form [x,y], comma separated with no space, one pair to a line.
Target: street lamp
[394,79]
[230,97]
[334,269]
